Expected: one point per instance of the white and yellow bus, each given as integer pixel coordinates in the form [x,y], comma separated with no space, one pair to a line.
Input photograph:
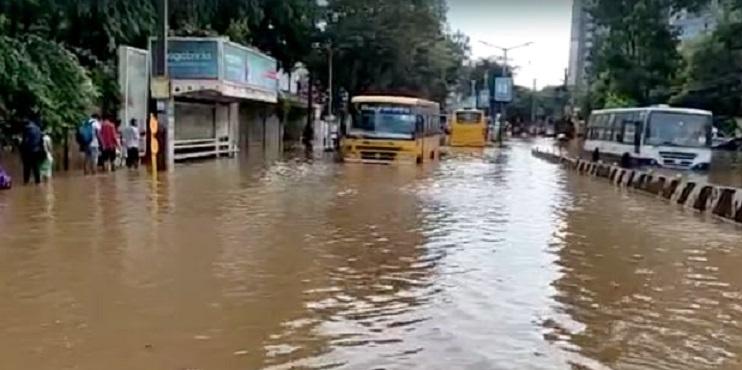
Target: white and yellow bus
[392,129]
[468,128]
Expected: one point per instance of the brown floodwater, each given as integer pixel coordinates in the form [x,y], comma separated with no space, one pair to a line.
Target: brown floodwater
[488,260]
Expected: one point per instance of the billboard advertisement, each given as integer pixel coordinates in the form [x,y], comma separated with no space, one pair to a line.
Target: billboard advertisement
[236,70]
[264,73]
[192,59]
[245,66]
[236,65]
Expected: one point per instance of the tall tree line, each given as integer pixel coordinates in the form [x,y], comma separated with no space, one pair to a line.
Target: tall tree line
[637,58]
[57,57]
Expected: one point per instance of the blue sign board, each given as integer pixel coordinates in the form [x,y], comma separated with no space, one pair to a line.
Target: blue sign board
[503,89]
[193,59]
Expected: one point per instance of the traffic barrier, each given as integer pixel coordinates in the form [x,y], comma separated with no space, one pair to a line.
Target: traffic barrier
[721,201]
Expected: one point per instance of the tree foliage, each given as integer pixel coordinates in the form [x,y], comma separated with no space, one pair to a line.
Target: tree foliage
[40,78]
[635,55]
[58,57]
[711,78]
[283,28]
[391,46]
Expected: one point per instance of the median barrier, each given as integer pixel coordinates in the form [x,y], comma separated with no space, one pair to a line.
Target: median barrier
[721,201]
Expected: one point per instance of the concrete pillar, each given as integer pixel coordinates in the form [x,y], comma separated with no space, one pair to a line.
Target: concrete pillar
[234,127]
[166,133]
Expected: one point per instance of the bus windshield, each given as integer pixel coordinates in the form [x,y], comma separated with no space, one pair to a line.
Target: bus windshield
[678,129]
[468,117]
[381,120]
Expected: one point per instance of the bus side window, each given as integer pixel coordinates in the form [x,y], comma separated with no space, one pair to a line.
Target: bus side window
[629,129]
[615,122]
[604,128]
[622,120]
[594,128]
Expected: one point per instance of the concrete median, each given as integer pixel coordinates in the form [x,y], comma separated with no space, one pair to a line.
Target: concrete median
[721,201]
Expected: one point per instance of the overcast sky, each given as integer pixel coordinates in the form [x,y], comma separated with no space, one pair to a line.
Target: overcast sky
[505,23]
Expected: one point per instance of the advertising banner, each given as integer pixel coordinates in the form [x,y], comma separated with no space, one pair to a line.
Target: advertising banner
[236,66]
[193,59]
[245,66]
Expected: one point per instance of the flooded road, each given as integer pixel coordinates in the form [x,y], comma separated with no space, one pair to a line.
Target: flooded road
[492,260]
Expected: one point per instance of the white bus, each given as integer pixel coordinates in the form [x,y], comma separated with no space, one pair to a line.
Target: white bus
[661,136]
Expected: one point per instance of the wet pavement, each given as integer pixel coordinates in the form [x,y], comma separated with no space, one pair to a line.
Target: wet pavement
[488,260]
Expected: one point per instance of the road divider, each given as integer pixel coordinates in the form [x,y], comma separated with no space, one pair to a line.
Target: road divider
[721,201]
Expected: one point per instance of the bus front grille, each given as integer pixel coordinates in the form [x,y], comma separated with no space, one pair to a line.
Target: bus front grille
[678,155]
[378,156]
[378,148]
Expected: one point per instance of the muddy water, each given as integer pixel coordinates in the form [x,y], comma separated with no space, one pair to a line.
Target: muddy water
[489,260]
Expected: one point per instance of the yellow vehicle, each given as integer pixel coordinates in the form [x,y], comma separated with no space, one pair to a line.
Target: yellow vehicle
[468,128]
[392,129]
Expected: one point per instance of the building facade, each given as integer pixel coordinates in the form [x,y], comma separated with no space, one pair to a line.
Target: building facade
[690,25]
[581,41]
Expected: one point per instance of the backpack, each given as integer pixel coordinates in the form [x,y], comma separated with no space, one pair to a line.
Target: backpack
[5,181]
[85,134]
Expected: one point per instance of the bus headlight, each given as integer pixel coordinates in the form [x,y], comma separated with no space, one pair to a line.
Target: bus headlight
[704,166]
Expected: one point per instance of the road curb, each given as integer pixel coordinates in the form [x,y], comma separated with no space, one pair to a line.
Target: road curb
[721,201]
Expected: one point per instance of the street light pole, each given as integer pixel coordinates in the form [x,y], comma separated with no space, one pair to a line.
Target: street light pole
[329,83]
[505,72]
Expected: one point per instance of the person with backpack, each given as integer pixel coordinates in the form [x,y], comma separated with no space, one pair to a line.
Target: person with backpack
[88,137]
[32,152]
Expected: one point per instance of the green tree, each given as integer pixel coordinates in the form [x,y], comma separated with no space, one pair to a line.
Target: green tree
[392,47]
[41,78]
[711,78]
[281,28]
[635,55]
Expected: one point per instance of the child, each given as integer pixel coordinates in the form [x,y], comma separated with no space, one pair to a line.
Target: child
[48,163]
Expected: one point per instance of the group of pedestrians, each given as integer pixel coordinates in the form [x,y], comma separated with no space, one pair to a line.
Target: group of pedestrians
[103,144]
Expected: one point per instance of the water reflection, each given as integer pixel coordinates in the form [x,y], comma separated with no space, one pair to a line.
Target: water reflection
[490,259]
[653,287]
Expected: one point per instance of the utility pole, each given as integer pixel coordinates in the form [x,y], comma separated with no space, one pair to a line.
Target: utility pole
[331,131]
[329,83]
[505,72]
[308,134]
[161,146]
[474,96]
[503,107]
[533,102]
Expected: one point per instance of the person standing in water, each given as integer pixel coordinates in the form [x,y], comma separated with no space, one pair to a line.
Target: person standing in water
[130,139]
[47,162]
[32,152]
[109,144]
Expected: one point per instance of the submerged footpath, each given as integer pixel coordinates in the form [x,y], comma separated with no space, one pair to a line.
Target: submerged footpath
[721,201]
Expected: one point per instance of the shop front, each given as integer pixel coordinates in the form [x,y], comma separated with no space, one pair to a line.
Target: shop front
[218,91]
